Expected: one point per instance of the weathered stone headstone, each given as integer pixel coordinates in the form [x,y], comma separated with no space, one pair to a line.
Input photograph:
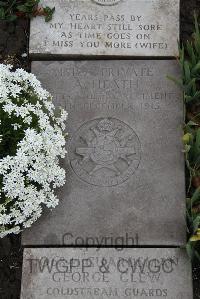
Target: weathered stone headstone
[125,169]
[106,273]
[107,28]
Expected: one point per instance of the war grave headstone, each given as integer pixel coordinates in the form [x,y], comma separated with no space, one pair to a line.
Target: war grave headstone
[107,28]
[124,168]
[106,273]
[125,182]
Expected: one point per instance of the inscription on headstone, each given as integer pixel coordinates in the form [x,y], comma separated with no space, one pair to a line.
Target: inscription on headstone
[108,27]
[106,273]
[125,168]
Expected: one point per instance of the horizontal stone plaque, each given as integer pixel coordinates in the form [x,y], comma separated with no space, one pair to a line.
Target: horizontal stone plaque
[125,166]
[107,28]
[106,273]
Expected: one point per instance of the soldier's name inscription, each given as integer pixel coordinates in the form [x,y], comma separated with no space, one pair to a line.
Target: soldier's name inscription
[87,273]
[108,27]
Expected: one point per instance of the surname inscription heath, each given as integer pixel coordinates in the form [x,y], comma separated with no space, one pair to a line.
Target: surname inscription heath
[108,28]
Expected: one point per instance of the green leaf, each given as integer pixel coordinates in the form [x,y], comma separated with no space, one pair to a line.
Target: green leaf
[181,55]
[196,23]
[196,69]
[197,142]
[188,87]
[49,13]
[191,53]
[196,223]
[187,71]
[190,98]
[195,150]
[197,35]
[195,197]
[2,13]
[189,217]
[190,250]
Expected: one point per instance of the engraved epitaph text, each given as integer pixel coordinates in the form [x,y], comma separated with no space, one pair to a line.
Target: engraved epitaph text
[107,28]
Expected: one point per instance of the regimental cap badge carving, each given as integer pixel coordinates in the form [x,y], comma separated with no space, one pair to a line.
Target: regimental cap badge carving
[105,152]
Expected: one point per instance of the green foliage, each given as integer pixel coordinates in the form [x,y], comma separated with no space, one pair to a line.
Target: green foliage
[189,59]
[10,10]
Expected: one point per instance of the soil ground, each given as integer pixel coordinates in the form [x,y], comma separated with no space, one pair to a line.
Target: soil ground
[14,50]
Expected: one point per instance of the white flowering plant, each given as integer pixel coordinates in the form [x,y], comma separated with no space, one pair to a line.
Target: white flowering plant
[32,141]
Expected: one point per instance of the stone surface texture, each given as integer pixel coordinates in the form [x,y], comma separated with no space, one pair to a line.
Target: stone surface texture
[106,273]
[107,28]
[124,168]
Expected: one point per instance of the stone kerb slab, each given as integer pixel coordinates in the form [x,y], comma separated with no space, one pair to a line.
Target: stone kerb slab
[106,273]
[107,28]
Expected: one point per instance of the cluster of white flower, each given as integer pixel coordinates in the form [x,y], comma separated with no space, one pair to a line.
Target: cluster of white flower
[29,177]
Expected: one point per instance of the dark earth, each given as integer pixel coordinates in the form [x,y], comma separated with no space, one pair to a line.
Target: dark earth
[14,50]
